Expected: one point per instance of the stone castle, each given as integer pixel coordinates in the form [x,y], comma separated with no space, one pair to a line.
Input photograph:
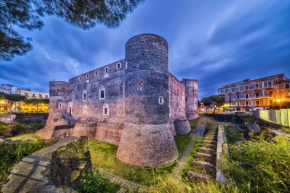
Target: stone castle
[135,103]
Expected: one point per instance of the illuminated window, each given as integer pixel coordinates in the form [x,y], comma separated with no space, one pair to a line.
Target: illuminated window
[85,110]
[106,109]
[102,93]
[161,100]
[85,96]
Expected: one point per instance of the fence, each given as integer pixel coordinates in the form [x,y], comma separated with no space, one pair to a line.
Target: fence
[281,117]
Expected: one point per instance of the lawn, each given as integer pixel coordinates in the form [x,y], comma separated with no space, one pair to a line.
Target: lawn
[233,134]
[25,137]
[104,157]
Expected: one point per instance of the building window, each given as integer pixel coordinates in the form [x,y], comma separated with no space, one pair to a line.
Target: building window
[257,86]
[106,109]
[257,95]
[257,102]
[46,96]
[287,85]
[247,96]
[126,65]
[87,76]
[80,78]
[161,100]
[106,70]
[238,96]
[85,110]
[102,93]
[271,102]
[59,105]
[119,66]
[247,88]
[269,84]
[96,73]
[247,103]
[85,96]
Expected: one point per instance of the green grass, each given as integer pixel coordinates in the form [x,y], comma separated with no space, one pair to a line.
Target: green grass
[104,157]
[233,134]
[25,137]
[191,158]
[193,123]
[182,142]
[5,128]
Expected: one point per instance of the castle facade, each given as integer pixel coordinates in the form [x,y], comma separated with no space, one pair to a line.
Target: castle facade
[135,103]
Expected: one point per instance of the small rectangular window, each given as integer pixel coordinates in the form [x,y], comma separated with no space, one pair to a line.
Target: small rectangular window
[287,85]
[87,76]
[118,65]
[102,94]
[96,73]
[106,111]
[106,70]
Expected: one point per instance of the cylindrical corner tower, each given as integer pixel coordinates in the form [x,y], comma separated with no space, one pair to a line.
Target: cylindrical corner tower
[191,88]
[147,139]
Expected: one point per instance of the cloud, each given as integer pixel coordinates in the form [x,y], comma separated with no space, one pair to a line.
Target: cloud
[216,42]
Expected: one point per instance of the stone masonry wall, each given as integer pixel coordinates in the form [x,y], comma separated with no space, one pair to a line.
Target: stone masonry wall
[53,169]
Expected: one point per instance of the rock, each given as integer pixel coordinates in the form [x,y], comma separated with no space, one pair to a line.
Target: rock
[208,167]
[205,157]
[194,176]
[53,169]
[206,150]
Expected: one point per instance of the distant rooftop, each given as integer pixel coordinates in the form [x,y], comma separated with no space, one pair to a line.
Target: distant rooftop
[247,81]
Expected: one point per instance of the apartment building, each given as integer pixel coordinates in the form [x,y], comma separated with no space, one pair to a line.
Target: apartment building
[34,94]
[257,94]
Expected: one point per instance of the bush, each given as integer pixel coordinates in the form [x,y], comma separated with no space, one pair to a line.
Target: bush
[93,182]
[11,154]
[260,166]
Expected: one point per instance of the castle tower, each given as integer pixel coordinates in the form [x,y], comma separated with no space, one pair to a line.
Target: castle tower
[147,139]
[58,96]
[191,98]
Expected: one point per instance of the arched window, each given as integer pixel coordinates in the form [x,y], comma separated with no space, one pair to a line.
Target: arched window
[102,93]
[85,95]
[161,100]
[106,70]
[106,109]
[85,110]
[118,66]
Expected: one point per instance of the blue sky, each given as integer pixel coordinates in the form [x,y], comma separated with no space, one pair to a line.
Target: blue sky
[215,42]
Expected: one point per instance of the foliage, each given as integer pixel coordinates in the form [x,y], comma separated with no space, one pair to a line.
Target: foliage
[36,101]
[280,105]
[25,137]
[11,154]
[260,166]
[19,128]
[104,157]
[170,184]
[5,129]
[11,97]
[27,14]
[233,134]
[213,101]
[93,182]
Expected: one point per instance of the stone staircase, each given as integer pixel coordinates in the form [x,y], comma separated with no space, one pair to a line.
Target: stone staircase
[205,162]
[69,118]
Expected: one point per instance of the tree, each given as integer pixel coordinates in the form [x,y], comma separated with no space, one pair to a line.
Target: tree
[81,13]
[213,101]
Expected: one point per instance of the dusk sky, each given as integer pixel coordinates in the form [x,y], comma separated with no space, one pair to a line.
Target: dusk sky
[215,42]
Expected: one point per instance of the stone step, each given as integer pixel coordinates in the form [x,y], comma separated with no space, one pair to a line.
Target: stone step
[209,141]
[207,150]
[194,176]
[205,157]
[211,146]
[208,167]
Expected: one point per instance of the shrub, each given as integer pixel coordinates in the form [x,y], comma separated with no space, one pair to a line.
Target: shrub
[11,154]
[93,182]
[260,166]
